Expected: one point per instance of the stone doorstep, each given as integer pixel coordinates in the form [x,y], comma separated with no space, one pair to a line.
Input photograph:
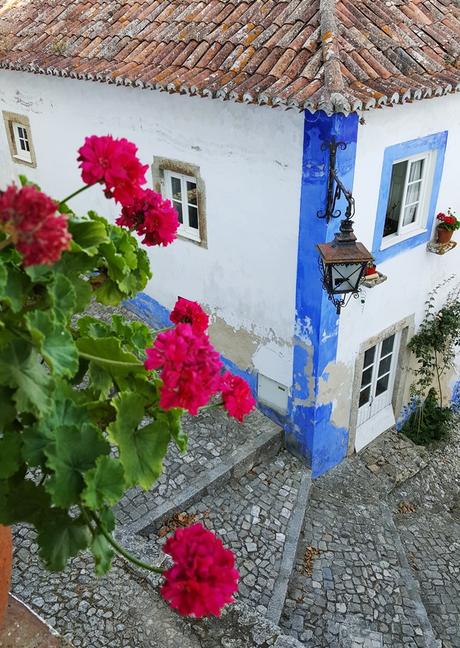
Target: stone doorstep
[234,465]
[23,628]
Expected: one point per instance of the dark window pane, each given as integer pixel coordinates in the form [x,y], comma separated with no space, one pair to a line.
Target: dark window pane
[176,189]
[387,346]
[191,193]
[364,396]
[382,385]
[178,207]
[367,377]
[193,217]
[369,357]
[398,178]
[384,366]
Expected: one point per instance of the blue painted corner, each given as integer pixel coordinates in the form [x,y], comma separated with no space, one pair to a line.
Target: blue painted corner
[310,432]
[436,142]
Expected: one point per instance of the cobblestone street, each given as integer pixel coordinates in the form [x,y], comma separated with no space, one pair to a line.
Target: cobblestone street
[383,551]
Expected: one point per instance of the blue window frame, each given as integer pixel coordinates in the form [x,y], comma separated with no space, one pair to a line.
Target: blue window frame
[407,159]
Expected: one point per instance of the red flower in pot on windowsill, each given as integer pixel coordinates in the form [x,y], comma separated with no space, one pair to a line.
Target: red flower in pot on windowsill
[447,224]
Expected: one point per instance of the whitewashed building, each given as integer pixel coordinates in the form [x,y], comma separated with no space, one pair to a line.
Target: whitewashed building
[231,103]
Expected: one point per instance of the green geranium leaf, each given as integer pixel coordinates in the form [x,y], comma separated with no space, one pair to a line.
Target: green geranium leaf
[103,554]
[63,413]
[3,277]
[173,418]
[20,369]
[15,289]
[22,501]
[89,234]
[109,294]
[74,451]
[107,353]
[135,334]
[142,449]
[10,454]
[7,409]
[93,327]
[60,537]
[100,381]
[63,297]
[104,483]
[39,273]
[55,343]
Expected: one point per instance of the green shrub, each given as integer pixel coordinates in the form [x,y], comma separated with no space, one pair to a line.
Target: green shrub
[429,422]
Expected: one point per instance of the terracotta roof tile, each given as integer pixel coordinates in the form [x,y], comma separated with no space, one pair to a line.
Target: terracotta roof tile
[333,55]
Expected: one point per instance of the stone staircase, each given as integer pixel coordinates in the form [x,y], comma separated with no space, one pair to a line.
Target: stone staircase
[328,565]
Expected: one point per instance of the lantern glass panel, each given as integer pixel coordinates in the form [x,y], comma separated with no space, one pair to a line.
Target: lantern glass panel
[345,277]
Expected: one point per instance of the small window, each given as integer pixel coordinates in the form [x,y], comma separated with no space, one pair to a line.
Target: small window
[19,138]
[407,206]
[182,191]
[182,183]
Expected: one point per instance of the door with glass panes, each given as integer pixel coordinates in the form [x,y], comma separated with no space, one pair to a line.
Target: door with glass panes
[375,410]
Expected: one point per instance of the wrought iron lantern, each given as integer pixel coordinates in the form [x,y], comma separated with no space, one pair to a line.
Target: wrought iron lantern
[344,260]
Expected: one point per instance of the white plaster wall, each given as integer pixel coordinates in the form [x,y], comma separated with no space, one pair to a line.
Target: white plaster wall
[250,160]
[412,274]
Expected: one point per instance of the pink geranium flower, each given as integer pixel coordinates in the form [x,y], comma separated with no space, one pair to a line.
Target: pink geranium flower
[203,578]
[237,396]
[190,312]
[152,217]
[113,163]
[190,368]
[30,218]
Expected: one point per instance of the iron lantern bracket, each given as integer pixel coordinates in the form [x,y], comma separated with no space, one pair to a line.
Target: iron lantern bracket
[335,187]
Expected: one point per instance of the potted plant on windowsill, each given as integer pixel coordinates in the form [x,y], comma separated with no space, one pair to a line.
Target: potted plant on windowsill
[76,392]
[447,224]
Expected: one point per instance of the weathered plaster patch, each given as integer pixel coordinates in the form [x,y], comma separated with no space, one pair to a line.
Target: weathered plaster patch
[238,344]
[335,387]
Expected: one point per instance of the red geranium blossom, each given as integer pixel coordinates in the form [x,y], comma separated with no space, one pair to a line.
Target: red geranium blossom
[112,162]
[190,312]
[203,578]
[30,218]
[152,217]
[237,396]
[190,368]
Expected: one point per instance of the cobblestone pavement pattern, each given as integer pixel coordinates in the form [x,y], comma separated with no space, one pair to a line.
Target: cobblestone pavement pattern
[379,561]
[251,516]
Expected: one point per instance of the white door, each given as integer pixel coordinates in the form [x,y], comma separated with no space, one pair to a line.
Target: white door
[375,413]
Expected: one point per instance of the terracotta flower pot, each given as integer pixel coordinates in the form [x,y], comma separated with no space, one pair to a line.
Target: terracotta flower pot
[6,560]
[444,235]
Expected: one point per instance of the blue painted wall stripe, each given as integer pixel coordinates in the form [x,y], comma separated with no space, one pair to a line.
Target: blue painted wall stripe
[435,142]
[309,430]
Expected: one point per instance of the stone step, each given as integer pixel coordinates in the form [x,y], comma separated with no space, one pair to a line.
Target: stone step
[124,609]
[434,558]
[259,516]
[219,449]
[352,584]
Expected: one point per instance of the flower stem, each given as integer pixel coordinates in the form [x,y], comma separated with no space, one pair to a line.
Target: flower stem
[122,551]
[160,330]
[107,361]
[75,193]
[6,242]
[208,407]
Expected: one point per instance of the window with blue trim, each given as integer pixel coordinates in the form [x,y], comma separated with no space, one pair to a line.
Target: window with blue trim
[409,188]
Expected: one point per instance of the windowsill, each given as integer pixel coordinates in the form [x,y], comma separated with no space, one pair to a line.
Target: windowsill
[394,240]
[20,159]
